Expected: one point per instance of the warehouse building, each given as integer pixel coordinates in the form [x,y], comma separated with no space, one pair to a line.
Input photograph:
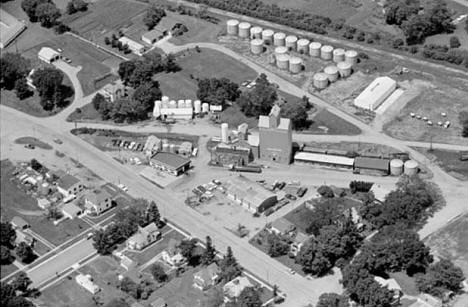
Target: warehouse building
[376,93]
[170,163]
[323,160]
[231,154]
[10,28]
[249,194]
[372,164]
[275,137]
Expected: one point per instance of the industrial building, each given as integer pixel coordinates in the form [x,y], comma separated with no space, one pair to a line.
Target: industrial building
[171,109]
[372,164]
[114,90]
[170,163]
[275,134]
[10,28]
[376,93]
[249,194]
[134,47]
[323,160]
[48,55]
[231,154]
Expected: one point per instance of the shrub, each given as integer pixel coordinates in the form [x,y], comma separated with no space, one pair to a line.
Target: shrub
[325,191]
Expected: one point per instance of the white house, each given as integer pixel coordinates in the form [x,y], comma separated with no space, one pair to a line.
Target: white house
[135,47]
[68,185]
[171,255]
[86,282]
[206,277]
[114,90]
[144,237]
[233,289]
[97,202]
[48,55]
[298,242]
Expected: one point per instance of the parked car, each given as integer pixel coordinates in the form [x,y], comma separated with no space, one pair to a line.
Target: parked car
[29,146]
[281,185]
[197,192]
[290,197]
[282,203]
[122,187]
[58,141]
[118,143]
[301,192]
[216,181]
[202,189]
[269,211]
[67,60]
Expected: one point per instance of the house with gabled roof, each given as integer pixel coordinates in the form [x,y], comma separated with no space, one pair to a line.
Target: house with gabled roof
[206,277]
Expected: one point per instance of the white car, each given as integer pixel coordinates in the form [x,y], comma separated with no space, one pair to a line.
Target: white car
[123,187]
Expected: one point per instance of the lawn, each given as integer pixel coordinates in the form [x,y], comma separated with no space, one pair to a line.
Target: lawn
[6,270]
[85,113]
[33,141]
[408,284]
[325,122]
[234,117]
[449,161]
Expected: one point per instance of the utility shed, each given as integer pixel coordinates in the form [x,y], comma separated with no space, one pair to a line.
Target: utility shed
[376,93]
[363,163]
[325,160]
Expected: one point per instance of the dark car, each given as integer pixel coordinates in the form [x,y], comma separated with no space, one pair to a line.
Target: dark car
[118,142]
[269,211]
[301,192]
[281,185]
[202,189]
[29,146]
[290,197]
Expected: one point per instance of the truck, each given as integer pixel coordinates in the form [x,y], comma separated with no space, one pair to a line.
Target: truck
[247,169]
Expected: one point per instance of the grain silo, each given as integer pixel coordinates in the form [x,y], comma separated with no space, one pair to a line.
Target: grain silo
[232,27]
[188,103]
[197,106]
[411,167]
[244,30]
[224,132]
[326,52]
[351,57]
[165,101]
[172,148]
[267,36]
[281,50]
[165,147]
[291,42]
[279,39]
[256,32]
[205,107]
[295,65]
[396,167]
[338,55]
[344,69]
[320,80]
[157,108]
[314,49]
[172,104]
[181,104]
[303,46]
[332,73]
[256,46]
[282,61]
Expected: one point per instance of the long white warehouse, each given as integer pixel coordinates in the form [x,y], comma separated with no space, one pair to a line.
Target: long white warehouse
[375,93]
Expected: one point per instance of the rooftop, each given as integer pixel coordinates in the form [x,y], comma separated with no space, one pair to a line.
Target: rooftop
[170,159]
[48,53]
[371,163]
[208,273]
[71,209]
[248,190]
[321,158]
[380,88]
[10,27]
[235,286]
[390,283]
[19,222]
[67,181]
[282,225]
[98,196]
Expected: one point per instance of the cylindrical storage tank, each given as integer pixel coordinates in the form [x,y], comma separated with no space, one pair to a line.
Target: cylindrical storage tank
[338,55]
[165,147]
[188,103]
[344,68]
[165,141]
[165,99]
[45,189]
[291,42]
[320,80]
[181,103]
[256,32]
[197,106]
[172,104]
[205,107]
[172,148]
[224,132]
[314,49]
[326,52]
[303,46]
[351,57]
[279,39]
[281,50]
[295,65]
[396,167]
[282,61]
[244,30]
[411,167]
[232,27]
[256,46]
[158,104]
[267,36]
[331,72]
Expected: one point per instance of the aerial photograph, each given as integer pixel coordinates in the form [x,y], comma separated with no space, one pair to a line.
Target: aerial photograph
[234,153]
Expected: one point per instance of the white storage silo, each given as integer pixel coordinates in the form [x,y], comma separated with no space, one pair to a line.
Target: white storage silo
[224,132]
[396,167]
[267,36]
[320,80]
[172,148]
[165,147]
[282,61]
[197,106]
[338,55]
[205,107]
[326,52]
[256,32]
[344,69]
[244,29]
[303,46]
[181,104]
[411,167]
[295,65]
[232,26]
[331,72]
[188,103]
[172,104]
[351,57]
[157,108]
[291,42]
[281,50]
[314,49]
[279,39]
[256,46]
[165,100]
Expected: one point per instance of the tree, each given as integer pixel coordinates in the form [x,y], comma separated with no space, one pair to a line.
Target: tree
[229,267]
[53,213]
[249,297]
[152,214]
[325,191]
[170,64]
[12,68]
[217,91]
[19,301]
[5,255]
[129,286]
[260,100]
[209,254]
[324,213]
[297,113]
[7,292]
[76,6]
[47,14]
[416,29]
[441,277]
[311,258]
[24,252]
[126,69]
[155,59]
[277,246]
[143,98]
[71,8]
[332,300]
[117,302]
[48,82]
[141,74]
[440,18]
[339,241]
[454,42]
[21,282]
[7,234]
[158,273]
[22,89]
[153,16]
[188,249]
[397,11]
[102,243]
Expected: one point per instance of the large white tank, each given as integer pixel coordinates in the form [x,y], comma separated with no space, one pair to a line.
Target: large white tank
[396,167]
[303,46]
[244,29]
[411,167]
[338,55]
[267,36]
[232,26]
[256,32]
[314,49]
[188,103]
[351,56]
[281,50]
[197,106]
[181,103]
[326,52]
[224,132]
[331,72]
[344,69]
[165,99]
[295,65]
[172,104]
[157,108]
[205,107]
[279,39]
[172,148]
[291,42]
[165,147]
[256,46]
[282,61]
[320,80]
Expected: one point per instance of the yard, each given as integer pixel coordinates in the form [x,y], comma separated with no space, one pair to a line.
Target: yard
[448,161]
[86,113]
[325,122]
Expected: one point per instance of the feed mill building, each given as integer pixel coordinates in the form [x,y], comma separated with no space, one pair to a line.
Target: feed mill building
[275,137]
[376,93]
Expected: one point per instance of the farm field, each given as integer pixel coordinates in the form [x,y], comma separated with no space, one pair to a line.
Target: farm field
[449,161]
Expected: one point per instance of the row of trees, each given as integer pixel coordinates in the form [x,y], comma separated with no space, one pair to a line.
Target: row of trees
[217,91]
[443,53]
[44,11]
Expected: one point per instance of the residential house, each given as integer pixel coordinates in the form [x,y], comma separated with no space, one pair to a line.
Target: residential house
[71,210]
[114,90]
[134,47]
[68,185]
[206,277]
[233,289]
[127,263]
[86,281]
[21,236]
[171,255]
[393,286]
[298,242]
[144,237]
[43,203]
[427,300]
[10,27]
[19,223]
[97,202]
[282,226]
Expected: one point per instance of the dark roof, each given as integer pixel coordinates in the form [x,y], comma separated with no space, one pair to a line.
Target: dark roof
[67,181]
[371,163]
[170,159]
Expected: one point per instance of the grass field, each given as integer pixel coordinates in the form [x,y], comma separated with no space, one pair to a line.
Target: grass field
[85,113]
[325,122]
[6,270]
[33,141]
[448,161]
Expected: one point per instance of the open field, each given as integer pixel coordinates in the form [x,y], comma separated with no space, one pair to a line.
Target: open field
[234,117]
[29,105]
[325,122]
[448,161]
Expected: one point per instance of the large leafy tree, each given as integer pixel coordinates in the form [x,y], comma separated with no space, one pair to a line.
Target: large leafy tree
[143,98]
[249,297]
[158,273]
[12,68]
[229,267]
[260,100]
[126,70]
[296,111]
[153,16]
[24,252]
[5,255]
[441,277]
[188,249]
[217,91]
[332,300]
[209,254]
[277,245]
[7,234]
[48,82]
[397,11]
[324,213]
[47,14]
[312,259]
[152,213]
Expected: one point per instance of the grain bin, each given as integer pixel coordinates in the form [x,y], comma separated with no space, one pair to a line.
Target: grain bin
[279,39]
[295,65]
[165,101]
[303,46]
[181,104]
[326,52]
[232,27]
[320,80]
[338,55]
[267,36]
[244,30]
[351,57]
[197,106]
[172,148]
[224,132]
[396,167]
[332,73]
[256,32]
[411,167]
[291,42]
[188,103]
[165,147]
[205,107]
[172,104]
[344,68]
[281,50]
[314,49]
[256,46]
[282,61]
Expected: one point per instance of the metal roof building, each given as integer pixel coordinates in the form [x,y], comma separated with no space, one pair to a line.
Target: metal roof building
[249,194]
[48,55]
[382,165]
[10,28]
[321,159]
[135,47]
[170,162]
[375,93]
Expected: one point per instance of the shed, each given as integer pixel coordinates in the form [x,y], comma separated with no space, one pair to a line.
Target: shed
[376,93]
[321,159]
[48,55]
[170,162]
[381,165]
[71,210]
